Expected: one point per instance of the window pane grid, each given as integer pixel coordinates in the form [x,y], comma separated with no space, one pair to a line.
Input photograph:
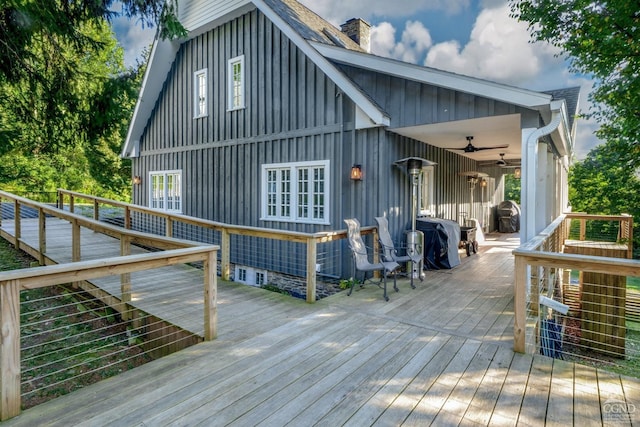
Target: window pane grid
[298,198]
[166,191]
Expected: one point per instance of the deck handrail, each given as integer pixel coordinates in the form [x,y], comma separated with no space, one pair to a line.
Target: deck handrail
[12,282]
[546,250]
[310,239]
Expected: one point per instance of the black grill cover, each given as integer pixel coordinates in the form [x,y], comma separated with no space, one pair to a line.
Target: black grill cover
[441,238]
[508,217]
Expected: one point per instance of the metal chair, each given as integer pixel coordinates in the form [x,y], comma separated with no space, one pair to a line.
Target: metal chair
[361,258]
[390,253]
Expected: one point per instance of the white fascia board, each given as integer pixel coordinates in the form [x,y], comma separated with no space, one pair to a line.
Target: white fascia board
[512,95]
[200,16]
[377,116]
[162,55]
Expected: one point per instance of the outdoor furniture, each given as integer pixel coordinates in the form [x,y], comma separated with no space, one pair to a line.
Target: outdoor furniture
[390,253]
[361,259]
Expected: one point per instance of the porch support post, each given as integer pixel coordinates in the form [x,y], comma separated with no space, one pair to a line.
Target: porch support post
[533,181]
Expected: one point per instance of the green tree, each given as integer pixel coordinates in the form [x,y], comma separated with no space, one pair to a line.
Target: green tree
[603,184]
[66,128]
[65,96]
[601,39]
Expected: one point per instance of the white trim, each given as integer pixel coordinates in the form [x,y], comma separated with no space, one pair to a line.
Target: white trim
[162,55]
[294,167]
[165,195]
[230,83]
[196,93]
[458,82]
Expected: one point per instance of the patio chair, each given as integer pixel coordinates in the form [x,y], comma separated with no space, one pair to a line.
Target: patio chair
[361,258]
[390,253]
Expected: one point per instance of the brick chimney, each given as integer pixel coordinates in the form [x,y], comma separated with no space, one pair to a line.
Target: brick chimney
[358,30]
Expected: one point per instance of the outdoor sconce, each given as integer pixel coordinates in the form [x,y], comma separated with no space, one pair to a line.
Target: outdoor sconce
[483,183]
[356,172]
[517,173]
[137,180]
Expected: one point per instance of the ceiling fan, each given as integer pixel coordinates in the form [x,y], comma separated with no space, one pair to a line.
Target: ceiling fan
[502,161]
[470,148]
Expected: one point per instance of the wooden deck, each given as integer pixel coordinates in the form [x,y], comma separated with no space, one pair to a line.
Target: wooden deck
[440,354]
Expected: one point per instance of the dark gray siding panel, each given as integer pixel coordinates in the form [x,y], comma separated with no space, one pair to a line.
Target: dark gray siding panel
[413,103]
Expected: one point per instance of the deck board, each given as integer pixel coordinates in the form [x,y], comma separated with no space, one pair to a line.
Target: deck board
[439,354]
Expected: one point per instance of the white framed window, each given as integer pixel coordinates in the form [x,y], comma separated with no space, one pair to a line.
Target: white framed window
[296,192]
[250,276]
[425,184]
[166,190]
[200,93]
[236,83]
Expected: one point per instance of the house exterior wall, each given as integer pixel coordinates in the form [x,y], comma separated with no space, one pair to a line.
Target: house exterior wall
[293,113]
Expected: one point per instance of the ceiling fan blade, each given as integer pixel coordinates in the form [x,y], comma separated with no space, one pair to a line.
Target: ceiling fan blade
[495,147]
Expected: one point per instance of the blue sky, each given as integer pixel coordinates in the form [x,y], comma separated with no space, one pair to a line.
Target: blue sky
[475,38]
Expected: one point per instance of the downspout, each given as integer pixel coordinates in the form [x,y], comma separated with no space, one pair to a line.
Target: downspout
[530,174]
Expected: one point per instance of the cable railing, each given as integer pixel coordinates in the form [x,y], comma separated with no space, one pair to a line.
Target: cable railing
[577,293]
[308,265]
[98,311]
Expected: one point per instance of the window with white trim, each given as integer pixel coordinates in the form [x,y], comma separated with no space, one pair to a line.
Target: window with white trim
[236,83]
[296,192]
[425,183]
[200,93]
[166,190]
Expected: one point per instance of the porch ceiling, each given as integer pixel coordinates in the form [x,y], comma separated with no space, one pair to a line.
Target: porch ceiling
[486,132]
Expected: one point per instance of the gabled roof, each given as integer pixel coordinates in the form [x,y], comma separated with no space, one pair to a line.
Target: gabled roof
[326,46]
[297,22]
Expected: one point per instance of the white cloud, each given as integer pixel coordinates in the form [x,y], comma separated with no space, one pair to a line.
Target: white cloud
[413,44]
[499,50]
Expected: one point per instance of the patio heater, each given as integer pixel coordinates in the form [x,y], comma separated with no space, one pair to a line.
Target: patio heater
[414,238]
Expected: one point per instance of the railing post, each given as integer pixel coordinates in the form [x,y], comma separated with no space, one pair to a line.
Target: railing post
[225,255]
[125,278]
[583,228]
[127,218]
[169,227]
[72,203]
[312,255]
[60,200]
[96,210]
[210,297]
[9,349]
[520,305]
[17,224]
[75,245]
[42,235]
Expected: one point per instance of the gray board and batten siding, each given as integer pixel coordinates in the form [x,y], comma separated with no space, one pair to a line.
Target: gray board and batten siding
[293,113]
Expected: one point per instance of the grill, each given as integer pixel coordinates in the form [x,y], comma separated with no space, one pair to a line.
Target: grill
[508,217]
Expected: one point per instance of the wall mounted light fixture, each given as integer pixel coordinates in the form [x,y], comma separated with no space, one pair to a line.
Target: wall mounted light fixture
[356,172]
[137,180]
[517,173]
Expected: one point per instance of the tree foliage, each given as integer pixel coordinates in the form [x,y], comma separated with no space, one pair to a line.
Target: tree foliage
[65,96]
[601,39]
[603,184]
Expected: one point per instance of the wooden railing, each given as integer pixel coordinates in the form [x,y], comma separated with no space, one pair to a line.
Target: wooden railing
[11,283]
[310,240]
[540,260]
